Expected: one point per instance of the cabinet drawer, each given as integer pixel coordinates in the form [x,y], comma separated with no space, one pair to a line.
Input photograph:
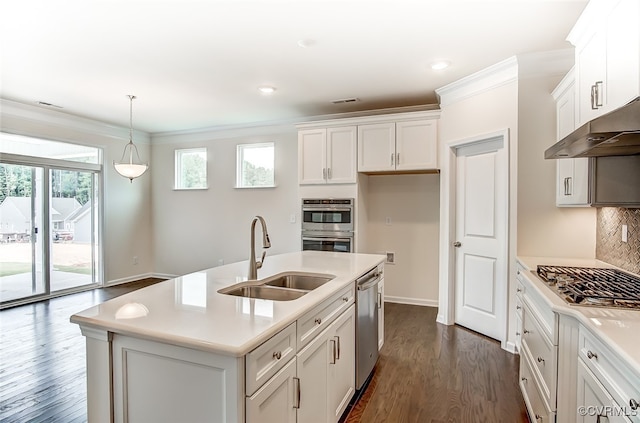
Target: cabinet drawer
[315,321]
[619,379]
[537,304]
[594,401]
[265,361]
[543,355]
[519,307]
[536,407]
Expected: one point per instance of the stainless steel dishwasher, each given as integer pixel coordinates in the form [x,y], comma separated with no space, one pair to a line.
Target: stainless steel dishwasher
[367,324]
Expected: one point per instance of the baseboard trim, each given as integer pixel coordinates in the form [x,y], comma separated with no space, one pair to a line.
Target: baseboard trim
[511,347]
[411,301]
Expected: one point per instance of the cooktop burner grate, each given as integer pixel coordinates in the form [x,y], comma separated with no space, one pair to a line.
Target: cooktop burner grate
[593,286]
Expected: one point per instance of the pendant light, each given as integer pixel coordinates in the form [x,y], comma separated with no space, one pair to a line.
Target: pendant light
[130,169]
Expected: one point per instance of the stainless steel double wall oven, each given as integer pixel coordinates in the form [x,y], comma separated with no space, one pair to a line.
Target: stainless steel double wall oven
[328,224]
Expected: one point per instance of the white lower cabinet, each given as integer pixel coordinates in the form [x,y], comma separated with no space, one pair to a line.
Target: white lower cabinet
[380,314]
[314,386]
[275,400]
[594,402]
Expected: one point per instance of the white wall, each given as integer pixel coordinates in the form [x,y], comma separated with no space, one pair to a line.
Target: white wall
[127,206]
[194,230]
[543,228]
[411,202]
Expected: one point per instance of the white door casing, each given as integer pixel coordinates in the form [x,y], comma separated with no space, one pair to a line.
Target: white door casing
[481,229]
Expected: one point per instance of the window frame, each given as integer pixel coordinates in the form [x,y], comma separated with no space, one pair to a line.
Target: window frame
[240,159]
[178,183]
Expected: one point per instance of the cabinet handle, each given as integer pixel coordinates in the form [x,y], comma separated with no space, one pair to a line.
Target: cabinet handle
[329,173]
[517,333]
[518,308]
[567,186]
[591,355]
[598,86]
[296,392]
[593,98]
[277,355]
[524,379]
[526,331]
[337,347]
[538,417]
[392,157]
[519,290]
[345,299]
[397,158]
[318,320]
[379,300]
[633,404]
[333,351]
[540,360]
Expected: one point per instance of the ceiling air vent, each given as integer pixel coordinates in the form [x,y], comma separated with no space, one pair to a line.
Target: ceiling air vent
[345,100]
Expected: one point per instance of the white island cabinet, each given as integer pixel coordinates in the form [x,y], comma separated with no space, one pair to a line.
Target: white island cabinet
[181,351]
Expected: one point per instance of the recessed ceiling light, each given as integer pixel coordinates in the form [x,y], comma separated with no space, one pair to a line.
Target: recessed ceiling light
[266,90]
[439,65]
[306,42]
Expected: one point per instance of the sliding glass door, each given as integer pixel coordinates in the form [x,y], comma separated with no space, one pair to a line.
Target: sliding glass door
[21,222]
[49,218]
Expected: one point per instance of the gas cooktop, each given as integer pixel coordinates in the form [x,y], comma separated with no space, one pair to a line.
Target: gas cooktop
[593,286]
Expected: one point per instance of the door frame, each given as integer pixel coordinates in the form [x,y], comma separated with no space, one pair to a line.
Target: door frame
[447,262]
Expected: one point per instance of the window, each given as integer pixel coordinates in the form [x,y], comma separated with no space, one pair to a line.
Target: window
[191,168]
[255,165]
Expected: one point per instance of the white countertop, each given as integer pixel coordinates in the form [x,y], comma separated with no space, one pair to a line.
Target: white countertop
[618,328]
[188,311]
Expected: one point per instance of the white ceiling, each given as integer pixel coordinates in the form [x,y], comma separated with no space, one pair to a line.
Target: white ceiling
[198,63]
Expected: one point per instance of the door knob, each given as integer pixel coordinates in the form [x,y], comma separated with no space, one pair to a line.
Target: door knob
[457,244]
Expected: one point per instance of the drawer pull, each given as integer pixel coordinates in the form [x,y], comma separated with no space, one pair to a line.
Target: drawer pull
[518,271]
[540,360]
[517,333]
[345,299]
[538,417]
[277,355]
[591,355]
[519,290]
[524,379]
[633,404]
[518,308]
[526,331]
[318,320]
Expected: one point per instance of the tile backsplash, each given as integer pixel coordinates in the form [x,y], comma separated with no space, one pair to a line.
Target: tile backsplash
[609,245]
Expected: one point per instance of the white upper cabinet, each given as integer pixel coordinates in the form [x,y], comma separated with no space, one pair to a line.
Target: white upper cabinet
[572,175]
[398,146]
[327,155]
[607,41]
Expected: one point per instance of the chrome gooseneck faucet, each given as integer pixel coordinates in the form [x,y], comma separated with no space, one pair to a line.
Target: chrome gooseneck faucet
[253,265]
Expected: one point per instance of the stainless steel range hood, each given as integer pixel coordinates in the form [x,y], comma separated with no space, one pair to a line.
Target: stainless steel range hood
[615,134]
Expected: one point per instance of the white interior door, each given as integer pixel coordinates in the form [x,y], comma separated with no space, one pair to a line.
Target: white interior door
[481,236]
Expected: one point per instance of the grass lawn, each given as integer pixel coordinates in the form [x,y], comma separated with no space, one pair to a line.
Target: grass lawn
[10,268]
[73,269]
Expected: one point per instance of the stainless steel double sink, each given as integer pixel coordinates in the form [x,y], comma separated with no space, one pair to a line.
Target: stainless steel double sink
[281,287]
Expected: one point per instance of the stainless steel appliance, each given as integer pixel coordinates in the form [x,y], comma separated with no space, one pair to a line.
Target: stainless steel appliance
[328,224]
[588,286]
[367,324]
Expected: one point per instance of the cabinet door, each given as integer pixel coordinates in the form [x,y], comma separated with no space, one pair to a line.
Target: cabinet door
[342,364]
[380,314]
[377,147]
[341,155]
[566,113]
[274,401]
[311,365]
[572,182]
[416,145]
[594,402]
[591,71]
[312,156]
[623,53]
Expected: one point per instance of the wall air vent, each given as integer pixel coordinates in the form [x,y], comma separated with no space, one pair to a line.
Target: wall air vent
[345,100]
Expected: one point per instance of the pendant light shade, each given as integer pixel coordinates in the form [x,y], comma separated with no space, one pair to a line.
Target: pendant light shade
[127,167]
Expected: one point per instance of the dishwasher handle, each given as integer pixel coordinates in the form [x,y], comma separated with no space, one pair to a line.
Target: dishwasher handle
[368,281]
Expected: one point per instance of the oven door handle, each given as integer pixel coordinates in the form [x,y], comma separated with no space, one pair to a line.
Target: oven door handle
[304,238]
[327,209]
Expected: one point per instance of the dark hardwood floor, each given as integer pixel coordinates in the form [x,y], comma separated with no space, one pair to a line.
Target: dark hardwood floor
[431,373]
[42,358]
[427,372]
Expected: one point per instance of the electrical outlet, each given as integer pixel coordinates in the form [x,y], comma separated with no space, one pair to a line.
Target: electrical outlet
[292,218]
[391,257]
[220,262]
[134,261]
[387,221]
[625,234]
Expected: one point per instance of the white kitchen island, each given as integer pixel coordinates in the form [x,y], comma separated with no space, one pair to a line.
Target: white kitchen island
[181,351]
